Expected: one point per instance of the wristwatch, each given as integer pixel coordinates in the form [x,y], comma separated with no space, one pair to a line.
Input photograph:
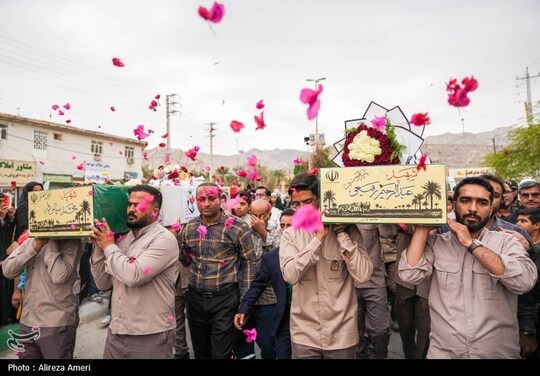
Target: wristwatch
[475,244]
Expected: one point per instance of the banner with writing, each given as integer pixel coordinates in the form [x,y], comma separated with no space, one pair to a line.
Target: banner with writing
[383,194]
[20,172]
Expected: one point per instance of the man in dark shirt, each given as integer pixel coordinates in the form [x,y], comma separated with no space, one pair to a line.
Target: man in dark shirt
[220,250]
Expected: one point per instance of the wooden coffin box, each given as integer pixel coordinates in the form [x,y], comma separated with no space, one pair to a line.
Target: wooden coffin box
[69,212]
[384,194]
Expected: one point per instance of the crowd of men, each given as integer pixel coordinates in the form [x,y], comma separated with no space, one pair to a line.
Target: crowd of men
[241,274]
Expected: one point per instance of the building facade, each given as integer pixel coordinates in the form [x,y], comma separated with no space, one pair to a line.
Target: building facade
[60,155]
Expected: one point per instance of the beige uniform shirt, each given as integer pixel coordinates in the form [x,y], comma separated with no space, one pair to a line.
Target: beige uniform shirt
[473,313]
[142,272]
[52,281]
[323,308]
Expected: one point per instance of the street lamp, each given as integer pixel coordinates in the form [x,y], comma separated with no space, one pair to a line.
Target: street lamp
[316,81]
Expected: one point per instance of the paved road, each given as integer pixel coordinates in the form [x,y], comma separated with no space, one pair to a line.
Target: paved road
[91,337]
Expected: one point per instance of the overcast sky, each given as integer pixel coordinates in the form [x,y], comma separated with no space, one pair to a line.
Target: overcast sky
[390,52]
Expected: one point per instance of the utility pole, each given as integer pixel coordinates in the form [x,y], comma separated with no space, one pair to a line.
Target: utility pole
[317,161]
[528,104]
[170,111]
[211,130]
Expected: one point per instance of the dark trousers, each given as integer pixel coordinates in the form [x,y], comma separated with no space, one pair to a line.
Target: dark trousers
[283,336]
[210,319]
[412,314]
[373,320]
[53,343]
[261,318]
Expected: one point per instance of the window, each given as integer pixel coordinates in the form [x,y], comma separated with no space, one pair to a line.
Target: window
[40,140]
[97,148]
[3,132]
[129,152]
[58,136]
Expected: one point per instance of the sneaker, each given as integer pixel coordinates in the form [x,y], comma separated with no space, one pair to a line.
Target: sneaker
[106,321]
[95,298]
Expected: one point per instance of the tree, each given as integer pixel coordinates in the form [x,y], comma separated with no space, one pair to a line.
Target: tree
[329,197]
[85,207]
[519,159]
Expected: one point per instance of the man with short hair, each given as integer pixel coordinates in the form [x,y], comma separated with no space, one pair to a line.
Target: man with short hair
[142,268]
[476,276]
[322,267]
[529,194]
[220,249]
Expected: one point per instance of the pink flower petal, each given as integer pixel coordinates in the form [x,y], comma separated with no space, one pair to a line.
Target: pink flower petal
[90,192]
[379,123]
[170,317]
[110,234]
[73,227]
[298,161]
[176,226]
[117,62]
[55,107]
[241,173]
[420,119]
[214,14]
[111,143]
[147,270]
[80,166]
[67,106]
[140,133]
[202,230]
[121,237]
[422,163]
[260,105]
[252,161]
[192,153]
[229,222]
[259,120]
[307,218]
[311,98]
[236,126]
[113,109]
[251,334]
[73,157]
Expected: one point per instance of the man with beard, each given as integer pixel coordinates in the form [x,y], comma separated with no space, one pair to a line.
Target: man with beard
[142,267]
[476,276]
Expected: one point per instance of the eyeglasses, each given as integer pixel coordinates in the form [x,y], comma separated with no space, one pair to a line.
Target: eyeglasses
[296,204]
[531,195]
[204,198]
[285,225]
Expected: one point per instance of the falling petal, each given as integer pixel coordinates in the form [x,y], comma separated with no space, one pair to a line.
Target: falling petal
[147,270]
[260,105]
[162,145]
[229,222]
[202,230]
[60,113]
[165,135]
[67,106]
[145,156]
[241,173]
[192,153]
[73,157]
[222,262]
[311,98]
[259,120]
[140,133]
[42,163]
[167,159]
[170,317]
[111,143]
[121,237]
[236,126]
[314,171]
[90,193]
[117,62]
[232,203]
[113,109]
[131,259]
[251,161]
[176,226]
[214,14]
[298,162]
[251,334]
[73,227]
[241,151]
[110,234]
[68,121]
[420,119]
[307,218]
[80,166]
[55,107]
[422,162]
[379,123]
